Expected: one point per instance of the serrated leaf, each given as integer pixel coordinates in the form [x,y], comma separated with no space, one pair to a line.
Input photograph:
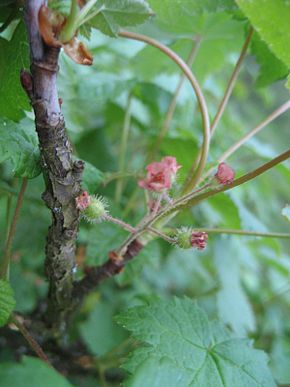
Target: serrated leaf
[286,212]
[270,19]
[7,302]
[122,13]
[14,56]
[271,68]
[19,144]
[30,372]
[182,348]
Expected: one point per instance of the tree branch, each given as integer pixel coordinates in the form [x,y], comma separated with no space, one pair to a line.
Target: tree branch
[62,175]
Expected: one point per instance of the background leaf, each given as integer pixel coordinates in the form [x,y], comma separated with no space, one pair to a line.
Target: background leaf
[19,144]
[7,302]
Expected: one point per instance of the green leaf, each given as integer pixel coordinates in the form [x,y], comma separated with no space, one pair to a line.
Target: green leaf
[92,178]
[232,303]
[280,358]
[271,68]
[30,372]
[286,212]
[184,17]
[100,332]
[182,348]
[122,13]
[7,302]
[270,18]
[19,144]
[14,56]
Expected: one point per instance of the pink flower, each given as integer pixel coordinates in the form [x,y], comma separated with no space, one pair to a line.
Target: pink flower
[198,239]
[83,201]
[225,174]
[160,175]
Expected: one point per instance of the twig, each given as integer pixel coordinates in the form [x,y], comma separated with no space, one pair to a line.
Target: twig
[12,230]
[33,343]
[244,232]
[199,95]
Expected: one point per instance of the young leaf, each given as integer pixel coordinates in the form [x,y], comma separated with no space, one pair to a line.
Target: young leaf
[14,56]
[30,372]
[116,14]
[7,302]
[270,18]
[19,144]
[182,348]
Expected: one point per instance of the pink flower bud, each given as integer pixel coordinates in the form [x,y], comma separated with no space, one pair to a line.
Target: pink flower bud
[83,201]
[198,239]
[225,174]
[160,175]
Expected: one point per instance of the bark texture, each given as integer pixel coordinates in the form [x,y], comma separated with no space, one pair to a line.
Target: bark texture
[62,175]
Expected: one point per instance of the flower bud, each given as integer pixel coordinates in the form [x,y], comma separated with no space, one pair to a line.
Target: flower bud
[187,238]
[93,208]
[225,174]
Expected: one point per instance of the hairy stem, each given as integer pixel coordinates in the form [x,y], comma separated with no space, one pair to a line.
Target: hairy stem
[61,173]
[32,343]
[173,103]
[4,271]
[229,89]
[199,95]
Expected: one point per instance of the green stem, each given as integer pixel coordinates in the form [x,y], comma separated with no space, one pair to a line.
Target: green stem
[244,232]
[7,252]
[173,103]
[70,27]
[193,170]
[199,95]
[123,148]
[33,343]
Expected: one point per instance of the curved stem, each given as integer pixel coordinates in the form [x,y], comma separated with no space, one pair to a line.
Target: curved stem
[199,95]
[33,343]
[12,230]
[173,103]
[123,148]
[221,108]
[244,232]
[276,113]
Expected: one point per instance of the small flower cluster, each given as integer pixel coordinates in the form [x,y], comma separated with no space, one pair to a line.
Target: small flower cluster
[160,175]
[225,174]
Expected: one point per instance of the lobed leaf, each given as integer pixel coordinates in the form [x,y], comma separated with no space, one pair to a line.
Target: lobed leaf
[182,348]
